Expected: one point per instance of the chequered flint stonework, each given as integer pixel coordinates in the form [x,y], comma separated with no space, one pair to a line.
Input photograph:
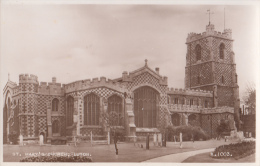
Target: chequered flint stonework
[224,70]
[191,52]
[28,87]
[42,124]
[42,104]
[225,96]
[210,122]
[61,120]
[228,49]
[147,78]
[204,71]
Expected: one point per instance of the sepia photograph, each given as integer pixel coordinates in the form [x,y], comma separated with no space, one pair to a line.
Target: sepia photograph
[129,83]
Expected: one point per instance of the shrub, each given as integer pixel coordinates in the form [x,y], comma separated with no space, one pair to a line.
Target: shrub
[13,137]
[187,133]
[55,158]
[237,150]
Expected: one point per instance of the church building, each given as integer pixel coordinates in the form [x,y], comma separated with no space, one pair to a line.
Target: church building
[141,101]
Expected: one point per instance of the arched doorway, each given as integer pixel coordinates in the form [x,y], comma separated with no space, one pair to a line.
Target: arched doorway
[146,102]
[55,128]
[175,119]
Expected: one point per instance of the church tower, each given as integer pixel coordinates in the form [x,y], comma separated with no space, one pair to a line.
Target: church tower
[210,65]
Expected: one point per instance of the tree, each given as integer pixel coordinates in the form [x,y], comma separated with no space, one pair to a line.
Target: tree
[249,98]
[223,127]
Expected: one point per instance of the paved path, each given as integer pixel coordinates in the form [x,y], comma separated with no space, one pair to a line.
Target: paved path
[179,157]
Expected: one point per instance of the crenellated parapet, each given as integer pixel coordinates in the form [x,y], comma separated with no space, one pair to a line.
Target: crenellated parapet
[94,83]
[227,34]
[51,88]
[190,92]
[26,78]
[217,110]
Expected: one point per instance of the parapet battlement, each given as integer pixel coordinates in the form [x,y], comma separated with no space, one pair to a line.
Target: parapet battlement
[23,78]
[209,32]
[191,92]
[95,82]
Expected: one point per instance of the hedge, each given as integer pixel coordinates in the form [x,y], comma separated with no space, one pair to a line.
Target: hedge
[187,133]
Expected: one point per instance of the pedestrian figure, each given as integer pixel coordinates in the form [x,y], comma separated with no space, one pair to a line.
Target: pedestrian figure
[115,141]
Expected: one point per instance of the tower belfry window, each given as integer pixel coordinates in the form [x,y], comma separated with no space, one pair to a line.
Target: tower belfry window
[221,51]
[198,52]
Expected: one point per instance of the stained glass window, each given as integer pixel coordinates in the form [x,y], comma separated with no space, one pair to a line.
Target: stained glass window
[115,104]
[146,101]
[91,109]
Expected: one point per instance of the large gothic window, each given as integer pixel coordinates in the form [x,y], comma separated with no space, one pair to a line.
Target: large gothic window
[70,110]
[91,109]
[55,104]
[198,52]
[145,106]
[115,107]
[221,51]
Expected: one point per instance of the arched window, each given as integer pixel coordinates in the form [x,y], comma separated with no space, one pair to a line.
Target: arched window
[55,105]
[91,109]
[115,107]
[192,119]
[222,79]
[70,110]
[198,52]
[221,51]
[146,102]
[55,126]
[175,119]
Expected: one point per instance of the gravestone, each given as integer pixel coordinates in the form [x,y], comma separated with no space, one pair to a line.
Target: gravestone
[41,139]
[155,139]
[21,140]
[108,137]
[160,139]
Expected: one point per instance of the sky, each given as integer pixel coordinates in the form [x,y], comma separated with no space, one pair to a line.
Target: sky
[76,42]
